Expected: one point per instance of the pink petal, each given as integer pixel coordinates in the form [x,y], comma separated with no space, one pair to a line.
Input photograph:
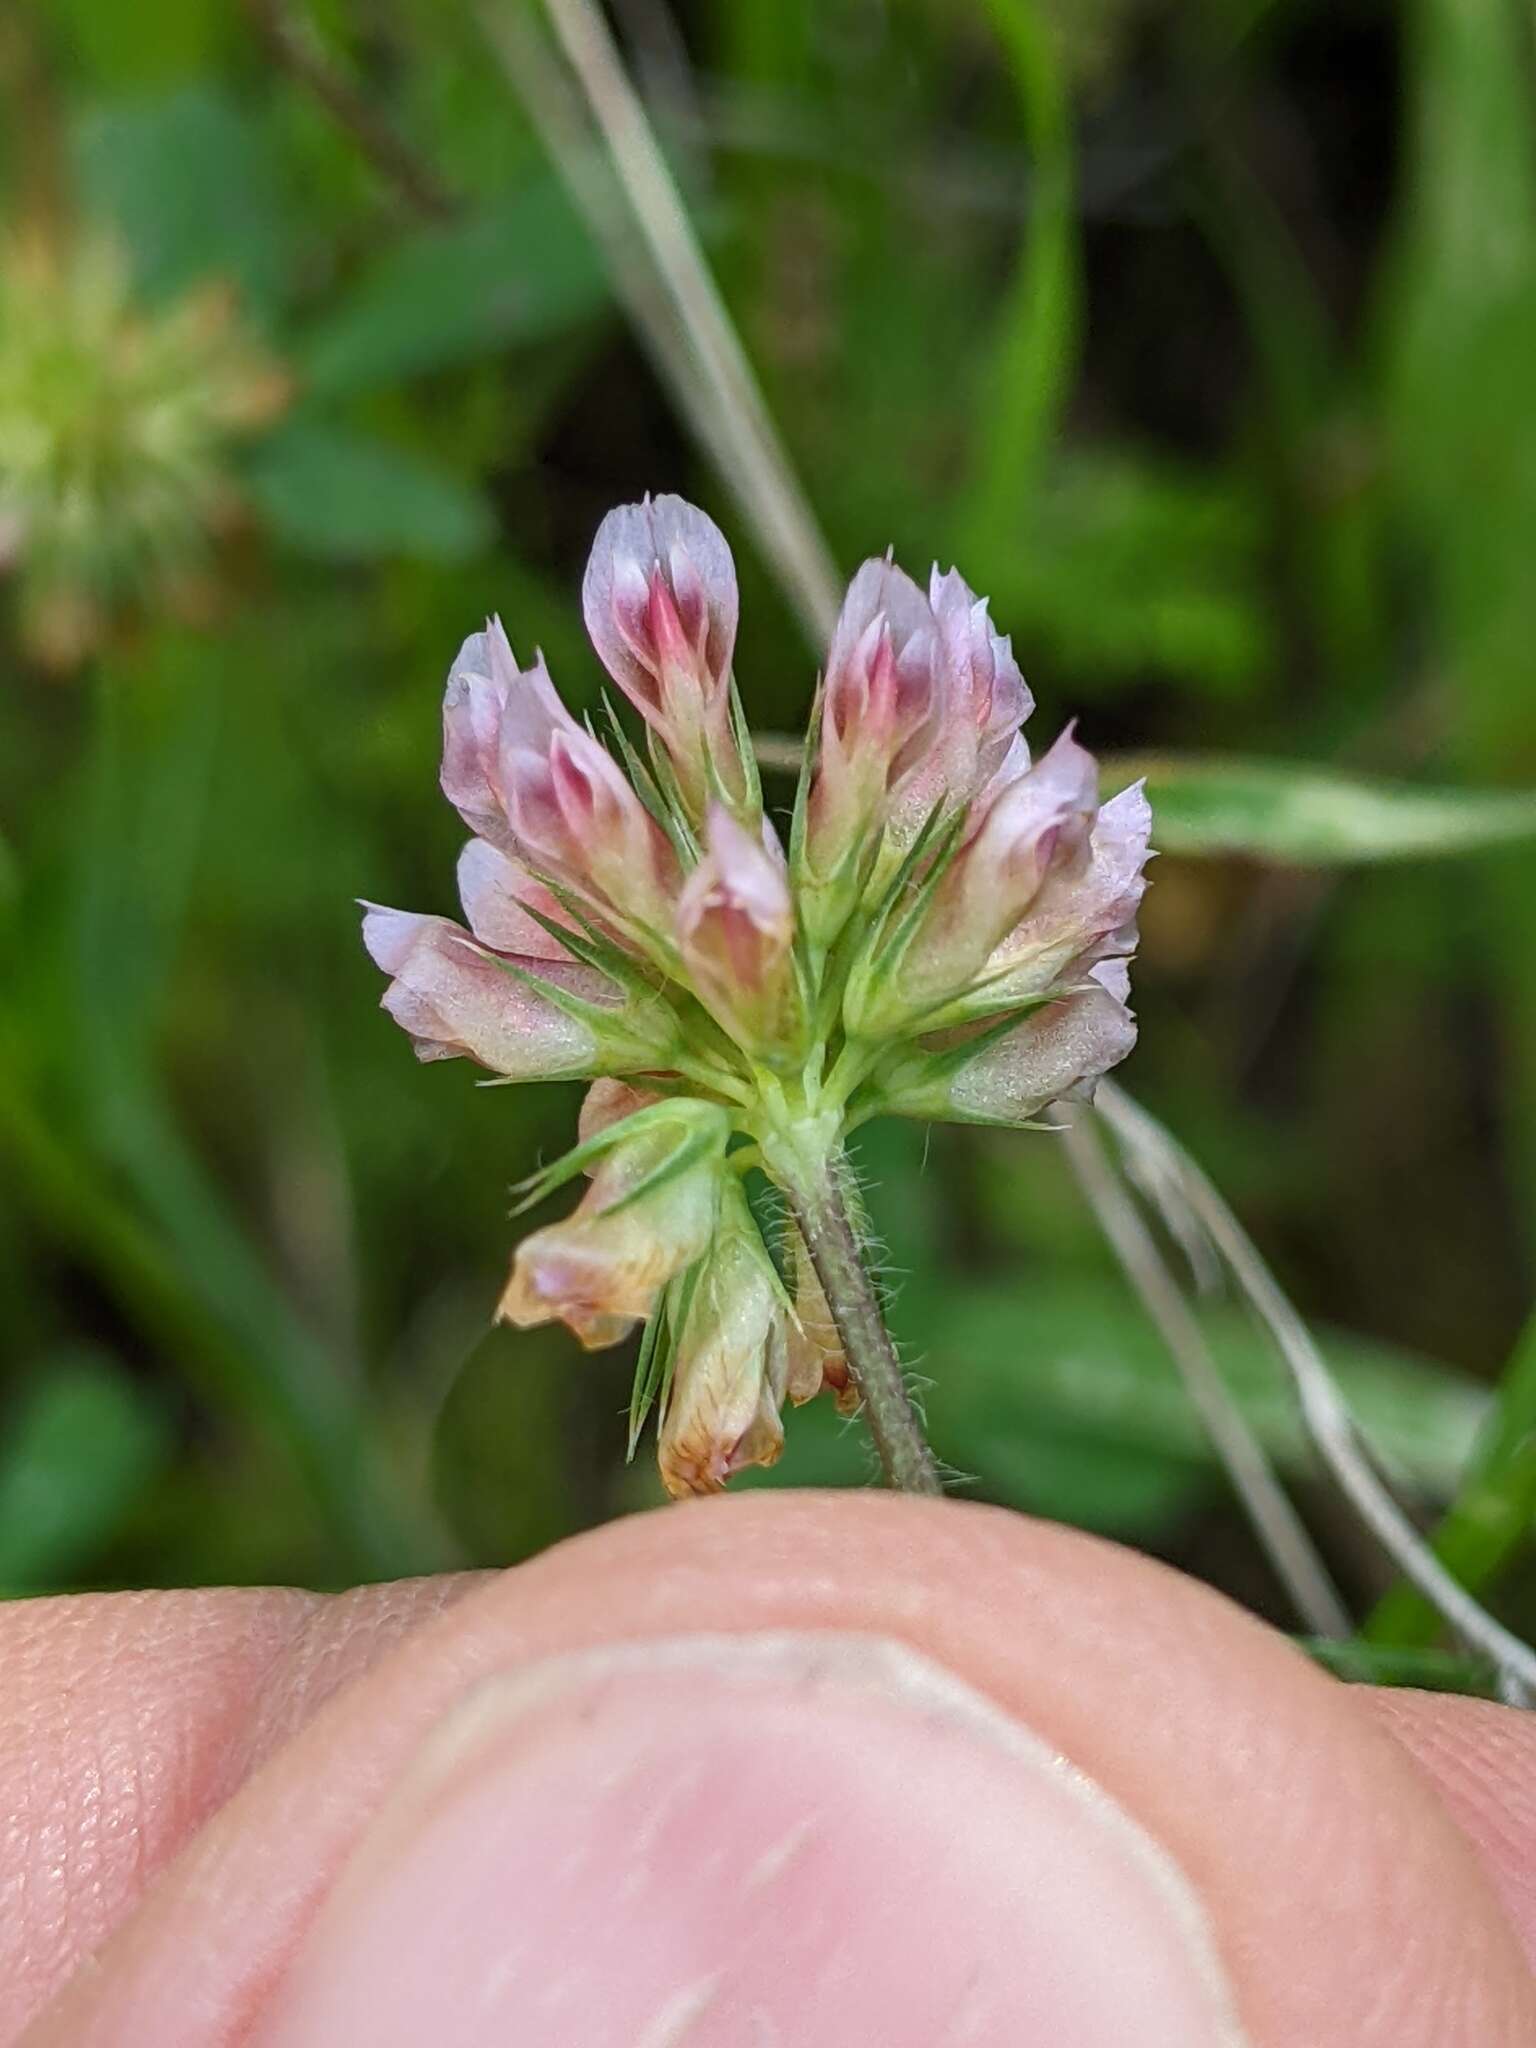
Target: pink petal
[735,922]
[1037,824]
[494,890]
[608,1102]
[532,711]
[879,590]
[455,999]
[669,535]
[985,685]
[1083,915]
[472,706]
[491,707]
[973,747]
[1064,1047]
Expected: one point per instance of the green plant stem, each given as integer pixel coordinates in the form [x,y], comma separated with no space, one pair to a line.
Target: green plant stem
[816,1195]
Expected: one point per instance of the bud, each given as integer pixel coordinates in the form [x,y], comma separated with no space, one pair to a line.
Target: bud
[874,723]
[1059,1049]
[984,699]
[816,1355]
[735,926]
[455,998]
[498,893]
[647,1216]
[660,603]
[731,1364]
[575,816]
[491,704]
[1033,828]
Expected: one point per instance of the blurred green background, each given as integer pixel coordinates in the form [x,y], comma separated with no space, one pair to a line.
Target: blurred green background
[1202,335]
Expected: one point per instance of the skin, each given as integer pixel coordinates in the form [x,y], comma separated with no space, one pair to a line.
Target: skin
[184,1775]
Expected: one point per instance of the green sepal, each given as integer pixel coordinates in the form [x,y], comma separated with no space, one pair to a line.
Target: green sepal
[663,772]
[899,917]
[666,807]
[653,1362]
[937,834]
[617,1040]
[915,1083]
[746,753]
[711,1129]
[658,1350]
[590,945]
[808,759]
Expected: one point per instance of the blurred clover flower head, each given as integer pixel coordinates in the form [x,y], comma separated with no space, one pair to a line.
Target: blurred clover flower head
[946,936]
[116,424]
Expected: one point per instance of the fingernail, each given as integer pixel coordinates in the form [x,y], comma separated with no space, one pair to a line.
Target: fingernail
[751,1842]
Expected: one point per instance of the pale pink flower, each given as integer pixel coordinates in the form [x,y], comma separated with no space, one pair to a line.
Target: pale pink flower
[489,704]
[948,938]
[1035,828]
[660,603]
[455,998]
[983,700]
[731,1365]
[1084,916]
[876,721]
[1060,1049]
[644,1218]
[735,927]
[498,893]
[576,818]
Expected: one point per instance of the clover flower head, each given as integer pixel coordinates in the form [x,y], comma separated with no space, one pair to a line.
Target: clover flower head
[946,935]
[118,424]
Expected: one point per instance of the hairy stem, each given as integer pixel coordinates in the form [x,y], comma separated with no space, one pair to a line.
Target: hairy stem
[821,1210]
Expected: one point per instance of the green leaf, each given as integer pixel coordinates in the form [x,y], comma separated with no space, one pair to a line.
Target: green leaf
[702,1128]
[1056,1396]
[190,184]
[1070,1354]
[1309,817]
[342,496]
[1130,562]
[146,44]
[76,1458]
[521,271]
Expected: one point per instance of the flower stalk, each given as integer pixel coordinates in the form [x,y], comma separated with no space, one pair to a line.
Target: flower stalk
[816,1192]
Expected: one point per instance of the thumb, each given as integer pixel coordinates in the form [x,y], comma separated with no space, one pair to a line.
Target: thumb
[784,1837]
[824,1770]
